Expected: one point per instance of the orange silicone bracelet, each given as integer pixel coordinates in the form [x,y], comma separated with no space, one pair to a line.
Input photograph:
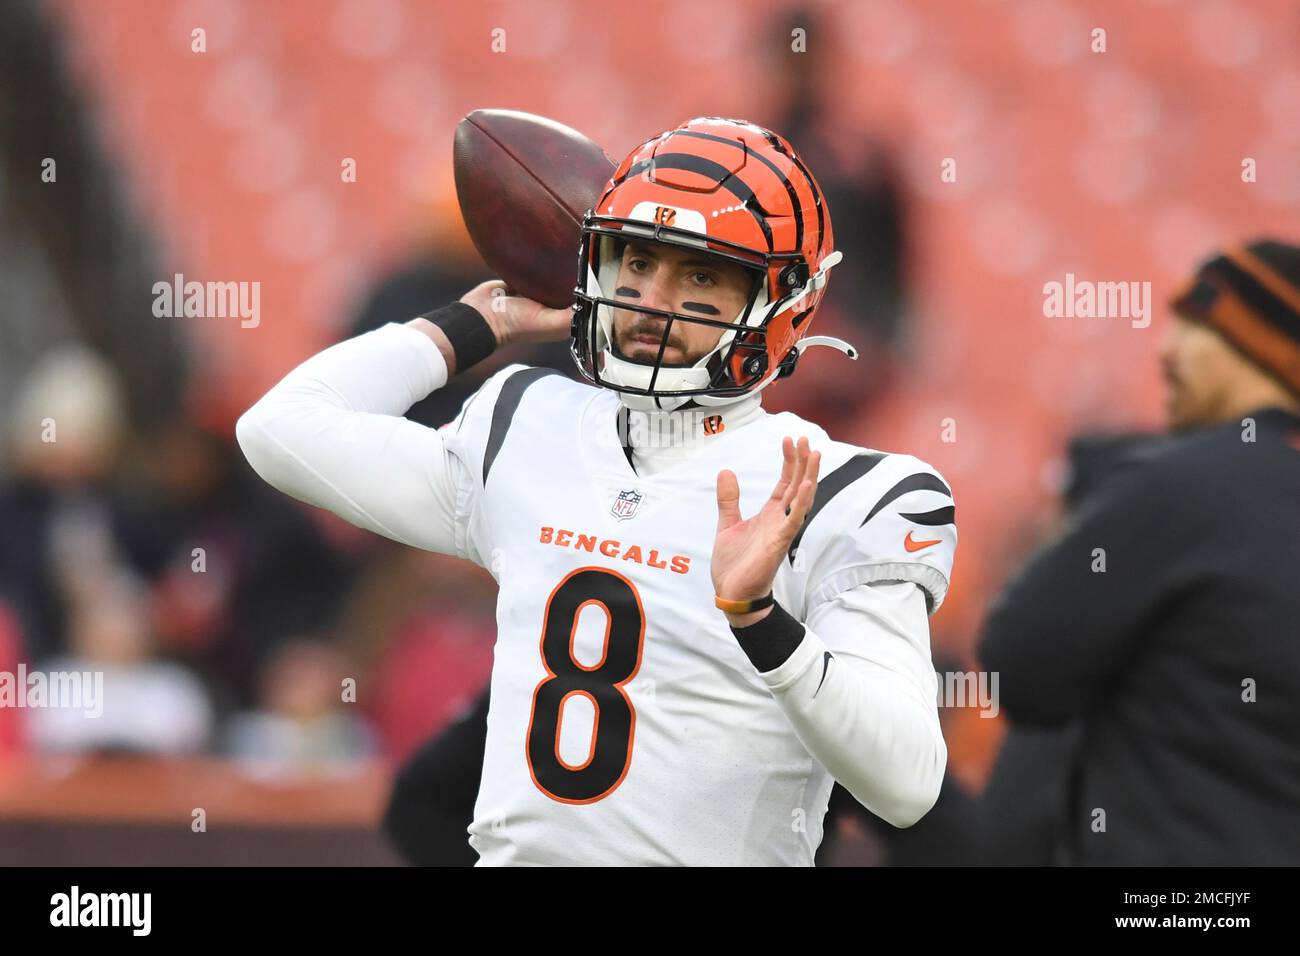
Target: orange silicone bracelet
[743,607]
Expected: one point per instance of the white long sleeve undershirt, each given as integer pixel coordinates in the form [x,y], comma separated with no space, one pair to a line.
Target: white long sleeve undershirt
[331,434]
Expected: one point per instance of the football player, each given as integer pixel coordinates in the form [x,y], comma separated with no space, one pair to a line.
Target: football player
[707,613]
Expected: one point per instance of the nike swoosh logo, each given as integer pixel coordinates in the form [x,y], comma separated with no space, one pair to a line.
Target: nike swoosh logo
[826,662]
[912,545]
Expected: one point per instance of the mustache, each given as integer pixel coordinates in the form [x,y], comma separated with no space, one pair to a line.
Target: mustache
[654,330]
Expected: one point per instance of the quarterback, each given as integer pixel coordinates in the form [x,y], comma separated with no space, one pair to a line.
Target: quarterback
[707,613]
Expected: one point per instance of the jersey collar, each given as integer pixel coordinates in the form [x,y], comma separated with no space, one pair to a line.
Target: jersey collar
[653,440]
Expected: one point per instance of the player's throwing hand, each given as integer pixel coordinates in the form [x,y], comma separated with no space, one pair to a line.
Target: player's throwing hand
[747,551]
[516,319]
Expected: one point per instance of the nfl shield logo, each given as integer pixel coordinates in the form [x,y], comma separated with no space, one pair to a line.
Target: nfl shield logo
[625,504]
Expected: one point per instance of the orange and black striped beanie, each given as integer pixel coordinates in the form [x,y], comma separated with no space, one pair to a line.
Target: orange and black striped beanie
[1251,296]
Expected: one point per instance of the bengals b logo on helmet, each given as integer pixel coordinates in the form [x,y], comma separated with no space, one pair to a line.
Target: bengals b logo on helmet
[665,215]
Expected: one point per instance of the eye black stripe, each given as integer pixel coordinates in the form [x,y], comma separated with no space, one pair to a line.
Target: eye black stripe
[702,307]
[918,482]
[832,485]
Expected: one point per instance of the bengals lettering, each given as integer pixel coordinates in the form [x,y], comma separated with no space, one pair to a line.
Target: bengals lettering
[611,548]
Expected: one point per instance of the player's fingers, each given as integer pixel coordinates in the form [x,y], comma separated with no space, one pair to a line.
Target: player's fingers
[787,470]
[803,501]
[814,467]
[783,532]
[728,499]
[800,468]
[805,491]
[799,508]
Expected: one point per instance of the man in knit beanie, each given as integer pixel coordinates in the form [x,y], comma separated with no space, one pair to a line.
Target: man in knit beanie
[1164,624]
[1236,346]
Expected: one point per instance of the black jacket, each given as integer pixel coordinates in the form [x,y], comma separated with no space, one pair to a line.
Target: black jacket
[1158,656]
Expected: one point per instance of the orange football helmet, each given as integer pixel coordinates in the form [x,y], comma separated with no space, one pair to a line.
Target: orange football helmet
[735,191]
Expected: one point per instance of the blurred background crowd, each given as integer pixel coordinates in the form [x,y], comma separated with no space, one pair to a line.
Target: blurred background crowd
[138,542]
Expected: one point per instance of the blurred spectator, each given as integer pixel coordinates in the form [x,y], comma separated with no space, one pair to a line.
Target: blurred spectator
[302,722]
[425,625]
[56,510]
[1016,819]
[1164,617]
[148,706]
[433,670]
[77,508]
[265,570]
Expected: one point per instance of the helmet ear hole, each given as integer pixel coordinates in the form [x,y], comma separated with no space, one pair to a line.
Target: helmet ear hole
[794,275]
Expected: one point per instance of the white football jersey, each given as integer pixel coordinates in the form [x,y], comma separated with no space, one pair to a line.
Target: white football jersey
[627,726]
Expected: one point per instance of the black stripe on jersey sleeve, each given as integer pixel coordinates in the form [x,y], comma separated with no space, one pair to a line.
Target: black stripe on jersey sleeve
[939,516]
[923,481]
[512,392]
[833,484]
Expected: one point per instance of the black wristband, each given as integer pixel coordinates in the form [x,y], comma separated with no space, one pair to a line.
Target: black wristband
[769,643]
[472,339]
